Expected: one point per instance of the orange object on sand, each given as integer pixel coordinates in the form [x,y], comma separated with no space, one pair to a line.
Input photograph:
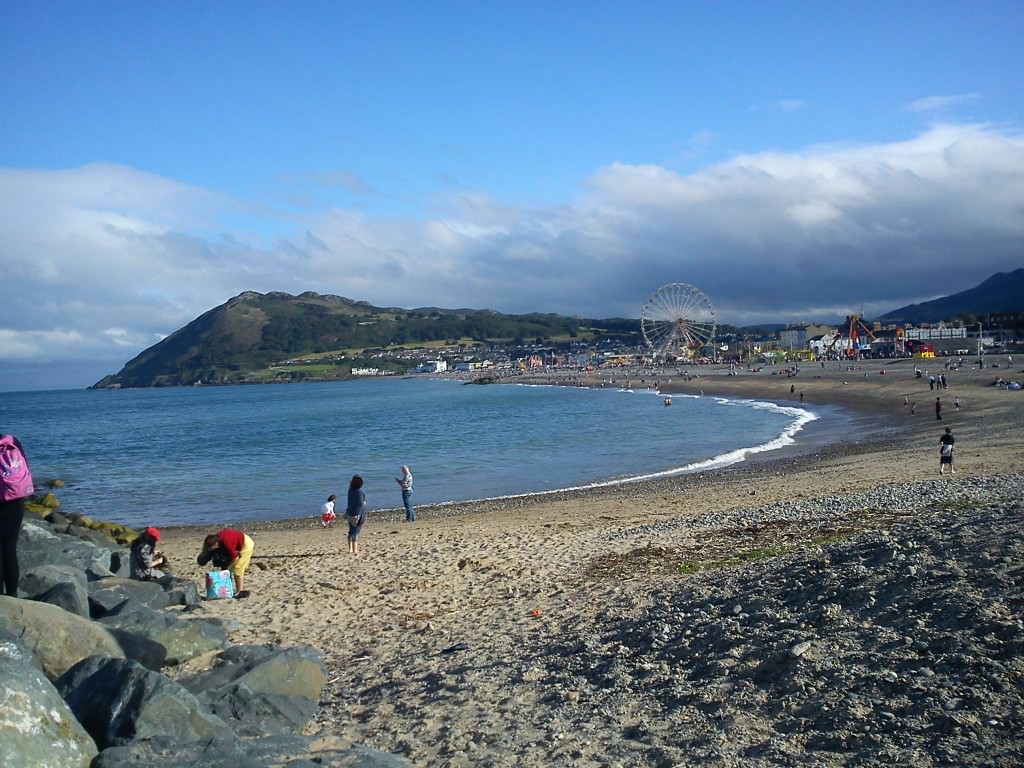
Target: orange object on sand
[535,613]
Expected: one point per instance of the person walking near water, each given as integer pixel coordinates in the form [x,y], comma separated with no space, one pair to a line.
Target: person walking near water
[355,513]
[946,452]
[405,483]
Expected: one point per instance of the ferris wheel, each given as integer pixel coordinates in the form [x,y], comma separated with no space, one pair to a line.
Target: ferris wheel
[677,320]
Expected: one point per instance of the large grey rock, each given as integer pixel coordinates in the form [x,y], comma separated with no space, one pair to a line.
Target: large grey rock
[98,538]
[60,585]
[184,639]
[37,728]
[36,581]
[263,690]
[181,592]
[108,595]
[149,653]
[57,638]
[270,752]
[38,546]
[67,596]
[119,701]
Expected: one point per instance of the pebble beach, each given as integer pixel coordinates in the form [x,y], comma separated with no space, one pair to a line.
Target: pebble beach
[836,602]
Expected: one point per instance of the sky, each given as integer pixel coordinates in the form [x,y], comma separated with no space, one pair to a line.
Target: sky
[795,161]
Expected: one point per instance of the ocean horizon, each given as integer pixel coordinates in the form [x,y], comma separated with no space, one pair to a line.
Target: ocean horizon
[198,455]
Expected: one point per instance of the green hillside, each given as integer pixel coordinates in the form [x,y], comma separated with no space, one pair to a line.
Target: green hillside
[258,337]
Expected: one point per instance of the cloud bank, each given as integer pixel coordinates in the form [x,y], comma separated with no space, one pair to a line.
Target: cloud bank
[101,261]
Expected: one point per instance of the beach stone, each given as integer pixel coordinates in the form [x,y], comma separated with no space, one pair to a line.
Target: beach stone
[183,639]
[149,653]
[263,690]
[181,592]
[119,701]
[39,546]
[60,585]
[57,638]
[37,728]
[107,595]
[93,536]
[67,595]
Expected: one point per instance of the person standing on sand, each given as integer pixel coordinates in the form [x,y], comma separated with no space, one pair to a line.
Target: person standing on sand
[938,409]
[946,452]
[405,483]
[238,547]
[355,513]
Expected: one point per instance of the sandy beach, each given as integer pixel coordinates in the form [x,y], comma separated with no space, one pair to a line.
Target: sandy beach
[448,641]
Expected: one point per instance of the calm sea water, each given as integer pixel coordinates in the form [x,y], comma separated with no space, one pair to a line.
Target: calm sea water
[217,454]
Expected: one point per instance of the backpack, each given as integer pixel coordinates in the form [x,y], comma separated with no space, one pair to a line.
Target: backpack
[15,477]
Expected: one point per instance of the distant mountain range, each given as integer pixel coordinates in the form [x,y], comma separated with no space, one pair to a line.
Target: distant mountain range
[257,337]
[1001,293]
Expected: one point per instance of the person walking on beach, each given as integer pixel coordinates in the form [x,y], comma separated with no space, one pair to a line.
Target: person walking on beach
[15,486]
[327,513]
[938,409]
[956,404]
[237,546]
[946,452]
[405,483]
[355,513]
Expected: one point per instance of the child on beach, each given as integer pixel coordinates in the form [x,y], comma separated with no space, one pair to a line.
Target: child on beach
[145,560]
[327,514]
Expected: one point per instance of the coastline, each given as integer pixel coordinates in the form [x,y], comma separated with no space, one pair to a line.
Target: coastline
[439,636]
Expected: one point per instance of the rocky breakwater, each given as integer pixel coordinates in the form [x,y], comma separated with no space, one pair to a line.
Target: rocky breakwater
[84,657]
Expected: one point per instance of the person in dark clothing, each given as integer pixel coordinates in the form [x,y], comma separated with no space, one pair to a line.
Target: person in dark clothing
[145,560]
[355,513]
[946,452]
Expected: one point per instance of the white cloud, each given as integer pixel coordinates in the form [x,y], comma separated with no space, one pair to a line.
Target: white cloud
[102,261]
[933,103]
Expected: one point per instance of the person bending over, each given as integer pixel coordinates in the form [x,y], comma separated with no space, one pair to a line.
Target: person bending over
[237,546]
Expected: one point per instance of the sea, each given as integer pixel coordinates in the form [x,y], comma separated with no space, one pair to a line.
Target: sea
[198,455]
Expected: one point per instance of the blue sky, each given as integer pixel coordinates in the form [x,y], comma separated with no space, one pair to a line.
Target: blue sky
[797,161]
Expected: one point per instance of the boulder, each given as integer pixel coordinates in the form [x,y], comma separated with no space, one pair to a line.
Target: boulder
[108,595]
[181,592]
[37,728]
[263,690]
[57,638]
[183,639]
[149,653]
[60,585]
[39,546]
[68,596]
[119,701]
